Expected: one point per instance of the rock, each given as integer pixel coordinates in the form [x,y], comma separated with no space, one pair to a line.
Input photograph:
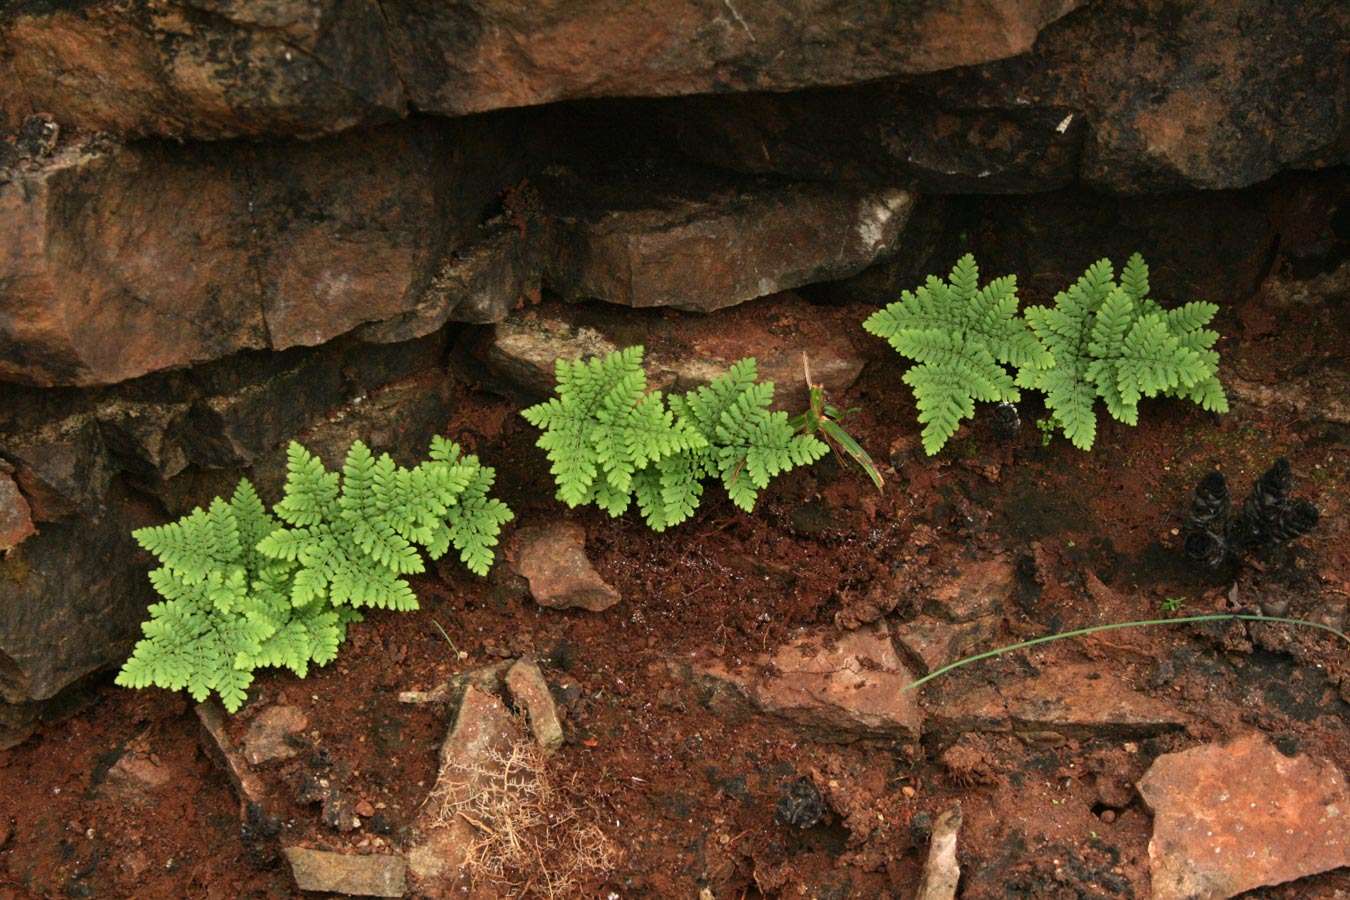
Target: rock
[304,69]
[684,351]
[272,733]
[941,872]
[75,594]
[841,688]
[137,775]
[530,692]
[1229,818]
[1190,100]
[352,874]
[553,559]
[293,244]
[62,467]
[16,521]
[691,241]
[1073,700]
[979,589]
[483,728]
[933,643]
[221,748]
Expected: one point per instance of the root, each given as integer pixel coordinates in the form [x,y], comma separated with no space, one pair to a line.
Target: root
[530,840]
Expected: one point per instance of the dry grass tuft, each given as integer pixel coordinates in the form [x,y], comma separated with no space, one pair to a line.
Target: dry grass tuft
[530,839]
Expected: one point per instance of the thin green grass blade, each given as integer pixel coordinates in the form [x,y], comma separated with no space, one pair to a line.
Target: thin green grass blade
[1079,632]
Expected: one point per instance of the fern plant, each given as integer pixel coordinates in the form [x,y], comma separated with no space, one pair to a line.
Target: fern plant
[962,337]
[244,588]
[610,440]
[1109,339]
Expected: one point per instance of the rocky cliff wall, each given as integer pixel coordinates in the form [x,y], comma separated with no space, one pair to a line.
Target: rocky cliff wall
[228,223]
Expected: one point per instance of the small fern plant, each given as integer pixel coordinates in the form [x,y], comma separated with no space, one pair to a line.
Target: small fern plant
[1110,340]
[962,337]
[243,588]
[610,440]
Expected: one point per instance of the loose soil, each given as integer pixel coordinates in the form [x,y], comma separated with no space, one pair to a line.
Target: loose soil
[688,794]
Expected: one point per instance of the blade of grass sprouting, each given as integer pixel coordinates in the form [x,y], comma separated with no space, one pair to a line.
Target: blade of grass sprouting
[853,449]
[1079,632]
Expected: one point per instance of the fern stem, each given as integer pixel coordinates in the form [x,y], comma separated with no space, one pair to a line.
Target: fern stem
[1079,632]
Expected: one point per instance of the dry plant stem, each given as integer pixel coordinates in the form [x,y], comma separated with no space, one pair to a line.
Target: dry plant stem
[1216,617]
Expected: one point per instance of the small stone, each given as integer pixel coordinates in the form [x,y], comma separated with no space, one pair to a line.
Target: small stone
[979,589]
[529,690]
[908,792]
[553,559]
[941,872]
[135,775]
[1108,816]
[365,808]
[271,734]
[356,875]
[1229,818]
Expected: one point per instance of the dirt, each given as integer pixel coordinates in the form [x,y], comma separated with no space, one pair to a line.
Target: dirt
[690,795]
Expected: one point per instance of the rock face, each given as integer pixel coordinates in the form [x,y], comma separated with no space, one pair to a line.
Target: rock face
[291,245]
[310,68]
[16,521]
[1231,818]
[1131,96]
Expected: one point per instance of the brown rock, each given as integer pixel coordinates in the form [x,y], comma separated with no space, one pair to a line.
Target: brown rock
[62,467]
[223,750]
[842,689]
[483,727]
[137,775]
[16,523]
[1077,700]
[530,691]
[683,350]
[293,244]
[310,68]
[553,559]
[271,734]
[353,874]
[1234,817]
[692,242]
[979,589]
[941,872]
[934,643]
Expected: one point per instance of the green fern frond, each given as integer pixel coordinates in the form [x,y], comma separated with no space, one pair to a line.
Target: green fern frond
[1110,340]
[961,336]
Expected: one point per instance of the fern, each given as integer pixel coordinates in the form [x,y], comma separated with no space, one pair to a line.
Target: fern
[609,440]
[1110,340]
[961,336]
[243,588]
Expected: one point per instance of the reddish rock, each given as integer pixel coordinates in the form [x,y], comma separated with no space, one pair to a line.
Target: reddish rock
[137,775]
[16,522]
[553,559]
[690,241]
[683,350]
[353,874]
[942,872]
[483,730]
[227,754]
[1228,818]
[934,643]
[842,688]
[292,244]
[299,68]
[530,692]
[271,734]
[1076,700]
[978,589]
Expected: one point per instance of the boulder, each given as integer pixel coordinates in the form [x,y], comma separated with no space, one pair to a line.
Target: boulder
[1230,818]
[226,69]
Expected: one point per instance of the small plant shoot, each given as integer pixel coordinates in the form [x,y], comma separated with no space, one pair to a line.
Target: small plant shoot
[1108,339]
[824,419]
[962,337]
[244,588]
